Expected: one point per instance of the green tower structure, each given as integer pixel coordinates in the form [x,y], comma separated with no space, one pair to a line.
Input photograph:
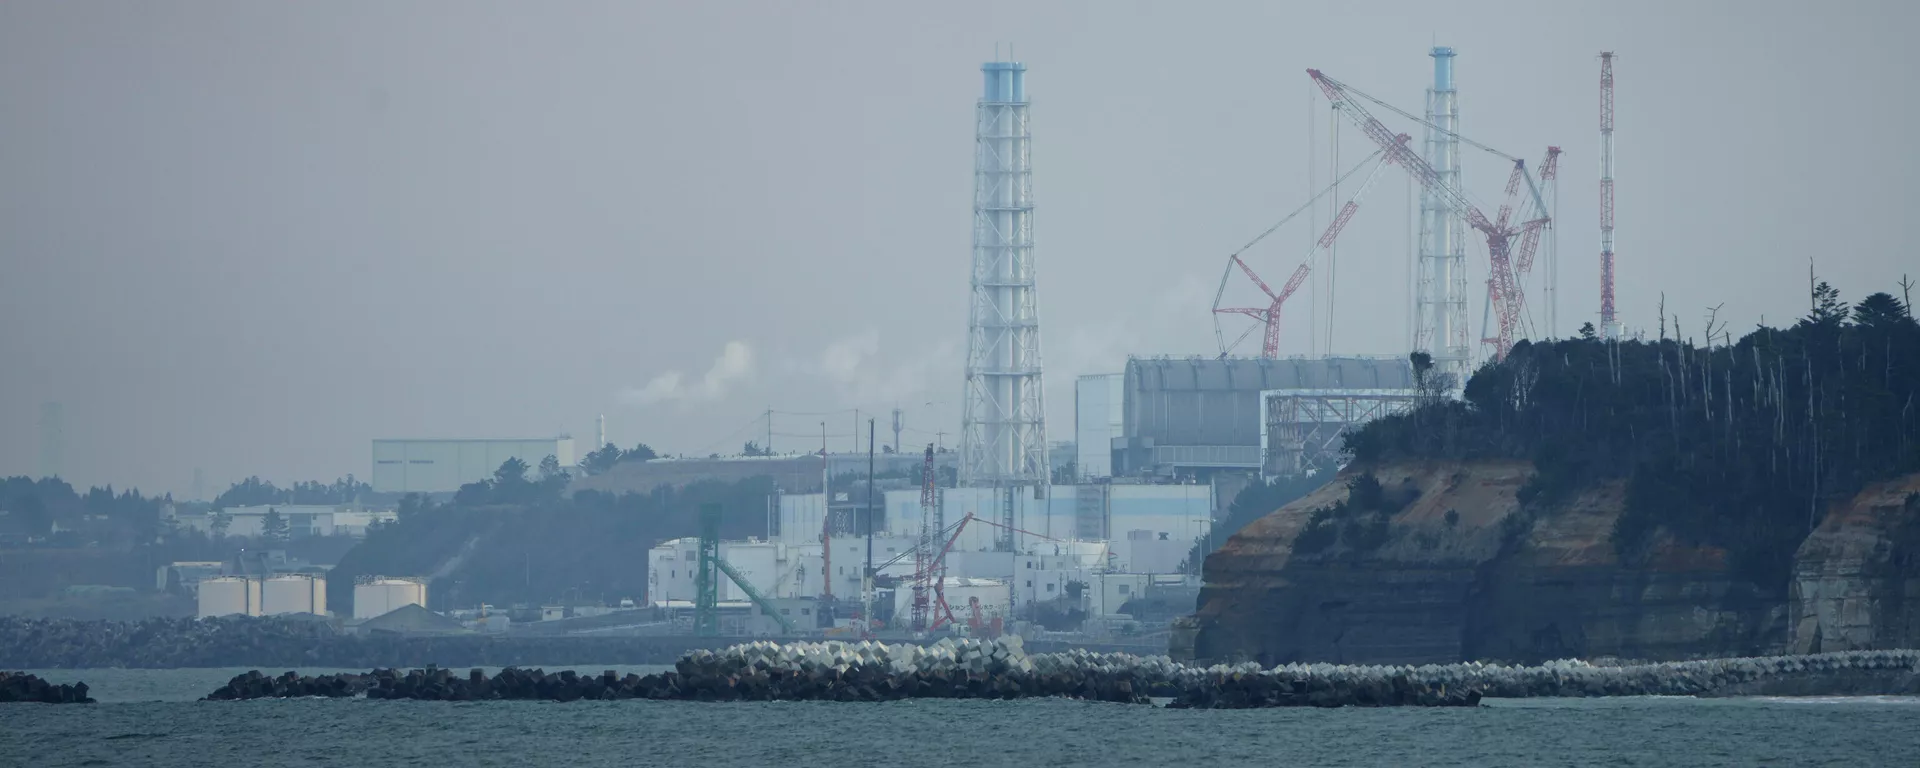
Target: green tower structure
[706,601]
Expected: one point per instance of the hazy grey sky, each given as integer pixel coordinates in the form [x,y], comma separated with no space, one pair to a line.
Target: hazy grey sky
[251,237]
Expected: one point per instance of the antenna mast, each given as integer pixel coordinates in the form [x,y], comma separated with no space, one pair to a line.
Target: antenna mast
[1609,324]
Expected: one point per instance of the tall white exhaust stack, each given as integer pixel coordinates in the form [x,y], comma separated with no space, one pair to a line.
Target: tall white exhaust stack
[1003,435]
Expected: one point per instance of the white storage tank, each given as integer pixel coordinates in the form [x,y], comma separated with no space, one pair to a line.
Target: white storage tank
[293,593]
[381,596]
[229,595]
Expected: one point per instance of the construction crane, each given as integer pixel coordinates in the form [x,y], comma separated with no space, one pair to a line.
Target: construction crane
[1505,289]
[930,566]
[1234,262]
[1504,292]
[1269,316]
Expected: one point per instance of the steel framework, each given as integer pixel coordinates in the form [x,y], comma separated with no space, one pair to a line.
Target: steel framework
[706,581]
[1003,428]
[923,566]
[1301,429]
[1440,302]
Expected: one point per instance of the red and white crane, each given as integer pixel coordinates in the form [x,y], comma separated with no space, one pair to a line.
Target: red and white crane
[1267,318]
[1504,292]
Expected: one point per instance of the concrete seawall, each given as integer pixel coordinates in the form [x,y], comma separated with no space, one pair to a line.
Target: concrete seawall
[1001,669]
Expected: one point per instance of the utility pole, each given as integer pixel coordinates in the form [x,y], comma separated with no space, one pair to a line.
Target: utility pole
[866,586]
[826,520]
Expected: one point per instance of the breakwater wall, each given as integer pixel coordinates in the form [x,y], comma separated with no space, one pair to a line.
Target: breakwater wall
[22,687]
[1000,669]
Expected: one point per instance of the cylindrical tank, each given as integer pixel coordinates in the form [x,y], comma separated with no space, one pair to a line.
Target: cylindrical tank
[291,593]
[228,595]
[380,596]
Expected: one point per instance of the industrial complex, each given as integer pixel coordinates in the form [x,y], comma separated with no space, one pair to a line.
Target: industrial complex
[1011,532]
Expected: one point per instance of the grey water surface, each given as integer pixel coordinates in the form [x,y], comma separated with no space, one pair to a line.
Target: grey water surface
[152,718]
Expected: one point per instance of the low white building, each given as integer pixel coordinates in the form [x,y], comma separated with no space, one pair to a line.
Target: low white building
[1156,519]
[303,520]
[775,569]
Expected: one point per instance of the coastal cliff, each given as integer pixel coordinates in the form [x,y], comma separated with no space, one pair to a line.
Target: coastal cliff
[1647,499]
[1447,564]
[1856,579]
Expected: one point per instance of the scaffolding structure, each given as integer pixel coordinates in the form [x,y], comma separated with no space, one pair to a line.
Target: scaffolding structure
[1003,435]
[1609,324]
[1301,429]
[1441,287]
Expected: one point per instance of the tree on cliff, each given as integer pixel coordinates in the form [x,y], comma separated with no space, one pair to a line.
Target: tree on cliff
[1740,444]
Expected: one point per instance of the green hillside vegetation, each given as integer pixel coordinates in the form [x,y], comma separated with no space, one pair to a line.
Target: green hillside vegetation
[519,540]
[1735,443]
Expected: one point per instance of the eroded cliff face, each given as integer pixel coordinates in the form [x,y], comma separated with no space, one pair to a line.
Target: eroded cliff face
[1463,571]
[1856,579]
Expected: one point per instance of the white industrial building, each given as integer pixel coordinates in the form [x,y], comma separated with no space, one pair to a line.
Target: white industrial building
[303,520]
[442,466]
[1137,524]
[229,596]
[293,593]
[776,569]
[380,596]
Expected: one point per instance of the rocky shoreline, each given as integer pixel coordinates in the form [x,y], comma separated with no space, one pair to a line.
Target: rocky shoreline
[1000,669]
[22,687]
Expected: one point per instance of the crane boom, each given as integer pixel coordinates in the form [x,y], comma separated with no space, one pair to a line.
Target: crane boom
[1270,314]
[1503,288]
[754,595]
[1234,261]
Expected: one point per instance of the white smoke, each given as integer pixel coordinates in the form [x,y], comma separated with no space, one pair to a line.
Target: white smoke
[734,364]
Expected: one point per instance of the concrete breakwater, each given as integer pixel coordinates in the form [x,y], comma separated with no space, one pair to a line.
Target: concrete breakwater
[1845,673]
[999,669]
[22,687]
[864,671]
[761,671]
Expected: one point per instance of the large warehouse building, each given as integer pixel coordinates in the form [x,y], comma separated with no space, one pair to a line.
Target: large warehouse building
[442,466]
[1197,416]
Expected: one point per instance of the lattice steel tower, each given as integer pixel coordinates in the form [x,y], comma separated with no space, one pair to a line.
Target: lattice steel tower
[1003,434]
[1441,296]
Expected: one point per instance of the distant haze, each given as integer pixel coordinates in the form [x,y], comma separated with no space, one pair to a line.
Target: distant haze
[251,237]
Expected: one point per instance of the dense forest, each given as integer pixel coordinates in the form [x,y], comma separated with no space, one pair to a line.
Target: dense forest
[254,492]
[1739,443]
[49,509]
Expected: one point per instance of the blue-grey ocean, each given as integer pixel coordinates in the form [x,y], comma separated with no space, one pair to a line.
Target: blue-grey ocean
[151,718]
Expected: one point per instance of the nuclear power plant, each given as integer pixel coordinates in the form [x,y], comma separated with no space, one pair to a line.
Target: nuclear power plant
[1107,527]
